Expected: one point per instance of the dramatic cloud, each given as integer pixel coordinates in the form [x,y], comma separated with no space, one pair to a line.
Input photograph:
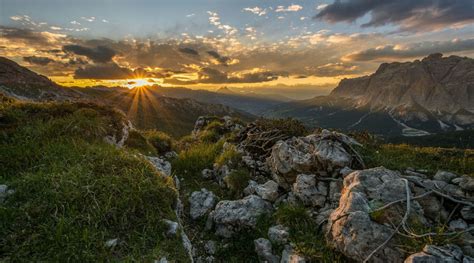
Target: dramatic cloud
[222,59]
[100,54]
[409,15]
[103,71]
[291,8]
[189,51]
[334,69]
[394,52]
[29,36]
[38,60]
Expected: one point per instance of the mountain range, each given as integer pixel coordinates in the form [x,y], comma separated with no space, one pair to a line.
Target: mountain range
[432,95]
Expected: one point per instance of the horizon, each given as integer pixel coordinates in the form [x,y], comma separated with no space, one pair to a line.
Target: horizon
[298,49]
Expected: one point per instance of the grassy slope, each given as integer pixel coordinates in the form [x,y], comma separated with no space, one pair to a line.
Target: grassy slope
[73,192]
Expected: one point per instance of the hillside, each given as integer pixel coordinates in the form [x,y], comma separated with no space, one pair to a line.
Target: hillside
[145,107]
[416,98]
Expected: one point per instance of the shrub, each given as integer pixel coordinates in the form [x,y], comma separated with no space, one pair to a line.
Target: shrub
[229,156]
[209,136]
[137,141]
[161,141]
[237,180]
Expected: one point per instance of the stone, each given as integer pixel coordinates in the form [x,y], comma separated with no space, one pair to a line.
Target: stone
[345,171]
[207,173]
[353,232]
[171,155]
[3,192]
[467,212]
[230,216]
[251,188]
[444,176]
[325,153]
[160,165]
[465,182]
[210,247]
[289,256]
[172,227]
[201,203]
[447,253]
[263,247]
[309,191]
[161,260]
[278,234]
[111,242]
[268,190]
[457,225]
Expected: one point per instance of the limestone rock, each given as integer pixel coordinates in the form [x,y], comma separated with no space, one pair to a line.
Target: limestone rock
[210,247]
[278,234]
[160,165]
[172,227]
[289,256]
[231,216]
[263,247]
[309,191]
[268,190]
[251,188]
[325,153]
[448,253]
[201,202]
[444,176]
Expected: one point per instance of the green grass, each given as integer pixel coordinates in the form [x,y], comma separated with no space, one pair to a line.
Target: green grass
[136,140]
[308,239]
[73,191]
[400,157]
[161,141]
[237,180]
[229,156]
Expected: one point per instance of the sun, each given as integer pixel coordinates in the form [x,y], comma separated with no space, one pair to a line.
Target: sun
[133,83]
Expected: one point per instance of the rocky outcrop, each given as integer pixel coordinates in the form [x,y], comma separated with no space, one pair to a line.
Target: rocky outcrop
[448,253]
[324,154]
[231,216]
[161,165]
[201,202]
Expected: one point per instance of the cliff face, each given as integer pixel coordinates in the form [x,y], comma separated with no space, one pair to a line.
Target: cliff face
[436,83]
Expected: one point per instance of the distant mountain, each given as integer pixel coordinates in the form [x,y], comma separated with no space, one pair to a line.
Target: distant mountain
[145,107]
[433,95]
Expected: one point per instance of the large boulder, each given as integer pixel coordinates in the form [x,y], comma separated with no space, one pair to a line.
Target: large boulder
[231,216]
[355,231]
[201,202]
[447,253]
[324,154]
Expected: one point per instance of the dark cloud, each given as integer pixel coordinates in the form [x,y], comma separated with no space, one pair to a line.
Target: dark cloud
[409,15]
[100,54]
[334,69]
[22,34]
[103,71]
[189,51]
[42,61]
[218,57]
[394,52]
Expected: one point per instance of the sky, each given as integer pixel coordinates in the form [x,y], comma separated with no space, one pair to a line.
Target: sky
[299,47]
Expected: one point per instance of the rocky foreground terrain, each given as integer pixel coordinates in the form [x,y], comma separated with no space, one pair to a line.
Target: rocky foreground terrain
[267,191]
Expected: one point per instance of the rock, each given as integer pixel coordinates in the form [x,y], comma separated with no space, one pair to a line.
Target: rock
[111,242]
[465,182]
[251,188]
[457,225]
[160,165]
[324,153]
[309,191]
[447,253]
[263,247]
[210,247]
[172,227]
[231,216]
[467,212]
[3,192]
[351,228]
[207,173]
[345,171]
[161,260]
[171,155]
[444,176]
[278,234]
[268,190]
[289,256]
[201,202]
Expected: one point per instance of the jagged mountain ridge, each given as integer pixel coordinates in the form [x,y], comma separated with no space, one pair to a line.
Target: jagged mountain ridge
[433,95]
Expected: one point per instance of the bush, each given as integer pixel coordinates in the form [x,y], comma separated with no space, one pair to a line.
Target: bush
[74,192]
[209,136]
[237,180]
[229,156]
[161,141]
[139,142]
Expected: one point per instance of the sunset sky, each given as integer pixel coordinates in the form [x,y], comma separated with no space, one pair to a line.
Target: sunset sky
[299,44]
